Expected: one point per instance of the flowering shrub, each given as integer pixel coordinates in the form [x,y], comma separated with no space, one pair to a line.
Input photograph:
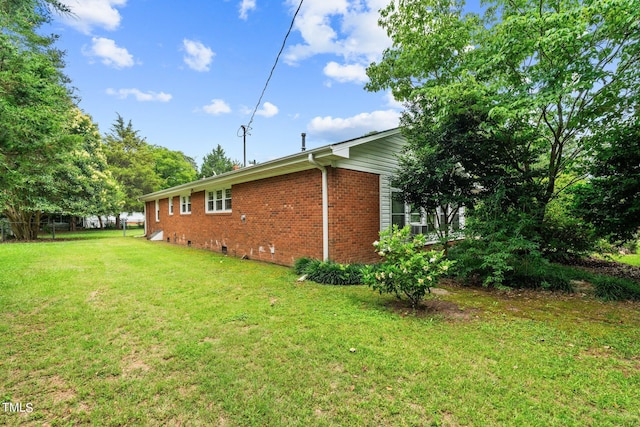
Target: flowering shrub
[407,269]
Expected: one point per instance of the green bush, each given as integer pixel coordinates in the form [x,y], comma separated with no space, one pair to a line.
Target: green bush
[493,262]
[631,246]
[407,269]
[329,272]
[539,275]
[300,265]
[615,289]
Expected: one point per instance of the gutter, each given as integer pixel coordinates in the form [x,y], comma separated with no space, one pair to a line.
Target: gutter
[325,207]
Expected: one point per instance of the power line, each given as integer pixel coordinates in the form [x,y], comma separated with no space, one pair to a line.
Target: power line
[284,42]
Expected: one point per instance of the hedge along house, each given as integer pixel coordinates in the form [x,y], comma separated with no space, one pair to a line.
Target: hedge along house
[327,203]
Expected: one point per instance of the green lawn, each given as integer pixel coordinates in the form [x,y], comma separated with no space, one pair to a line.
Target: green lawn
[633,259]
[121,331]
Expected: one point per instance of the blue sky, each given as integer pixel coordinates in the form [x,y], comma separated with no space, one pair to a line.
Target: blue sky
[188,74]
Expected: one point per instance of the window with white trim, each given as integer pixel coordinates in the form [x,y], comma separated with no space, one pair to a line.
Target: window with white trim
[185,204]
[398,210]
[157,210]
[430,223]
[170,205]
[218,200]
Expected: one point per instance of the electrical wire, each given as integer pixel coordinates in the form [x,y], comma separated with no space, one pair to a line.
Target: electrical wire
[284,42]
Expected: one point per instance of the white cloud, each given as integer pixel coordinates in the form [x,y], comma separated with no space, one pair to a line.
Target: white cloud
[110,54]
[267,110]
[391,101]
[139,95]
[346,73]
[198,56]
[347,28]
[86,14]
[245,7]
[217,107]
[331,128]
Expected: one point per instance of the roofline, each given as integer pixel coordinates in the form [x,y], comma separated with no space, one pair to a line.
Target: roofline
[293,162]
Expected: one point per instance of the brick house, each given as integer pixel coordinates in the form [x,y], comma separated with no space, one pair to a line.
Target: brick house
[327,203]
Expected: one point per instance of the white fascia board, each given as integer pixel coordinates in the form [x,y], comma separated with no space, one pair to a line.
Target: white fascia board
[342,152]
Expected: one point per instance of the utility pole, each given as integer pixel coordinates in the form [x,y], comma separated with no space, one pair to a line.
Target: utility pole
[244,143]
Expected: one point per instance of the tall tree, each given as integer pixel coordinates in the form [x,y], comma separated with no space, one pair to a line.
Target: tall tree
[430,176]
[174,167]
[216,163]
[610,198]
[88,188]
[131,161]
[539,79]
[35,106]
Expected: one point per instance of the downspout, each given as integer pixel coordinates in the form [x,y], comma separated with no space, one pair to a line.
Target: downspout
[145,219]
[325,207]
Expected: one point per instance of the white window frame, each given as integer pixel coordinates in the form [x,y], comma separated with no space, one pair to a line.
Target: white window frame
[418,220]
[185,204]
[170,205]
[218,200]
[395,213]
[157,210]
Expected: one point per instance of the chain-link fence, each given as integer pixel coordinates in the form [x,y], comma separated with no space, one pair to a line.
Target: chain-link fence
[51,229]
[45,229]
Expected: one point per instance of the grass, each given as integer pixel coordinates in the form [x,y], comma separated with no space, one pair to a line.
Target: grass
[121,331]
[632,259]
[93,234]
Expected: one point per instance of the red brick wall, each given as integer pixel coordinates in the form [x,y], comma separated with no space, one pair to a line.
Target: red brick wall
[282,214]
[354,215]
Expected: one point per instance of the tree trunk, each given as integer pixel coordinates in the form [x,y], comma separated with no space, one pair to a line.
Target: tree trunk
[117,221]
[24,224]
[100,222]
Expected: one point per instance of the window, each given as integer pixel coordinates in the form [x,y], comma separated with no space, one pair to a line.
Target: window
[455,221]
[157,210]
[421,222]
[227,198]
[430,223]
[397,210]
[170,205]
[219,200]
[185,204]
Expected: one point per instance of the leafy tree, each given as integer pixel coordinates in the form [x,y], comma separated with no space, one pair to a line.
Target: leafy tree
[35,106]
[141,168]
[610,199]
[430,177]
[174,167]
[88,187]
[515,95]
[216,163]
[132,162]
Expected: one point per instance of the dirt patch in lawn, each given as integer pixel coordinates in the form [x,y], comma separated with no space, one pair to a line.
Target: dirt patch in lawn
[434,307]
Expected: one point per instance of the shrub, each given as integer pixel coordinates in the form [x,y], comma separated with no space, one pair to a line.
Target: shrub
[631,247]
[407,269]
[539,275]
[616,289]
[329,272]
[493,262]
[300,265]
